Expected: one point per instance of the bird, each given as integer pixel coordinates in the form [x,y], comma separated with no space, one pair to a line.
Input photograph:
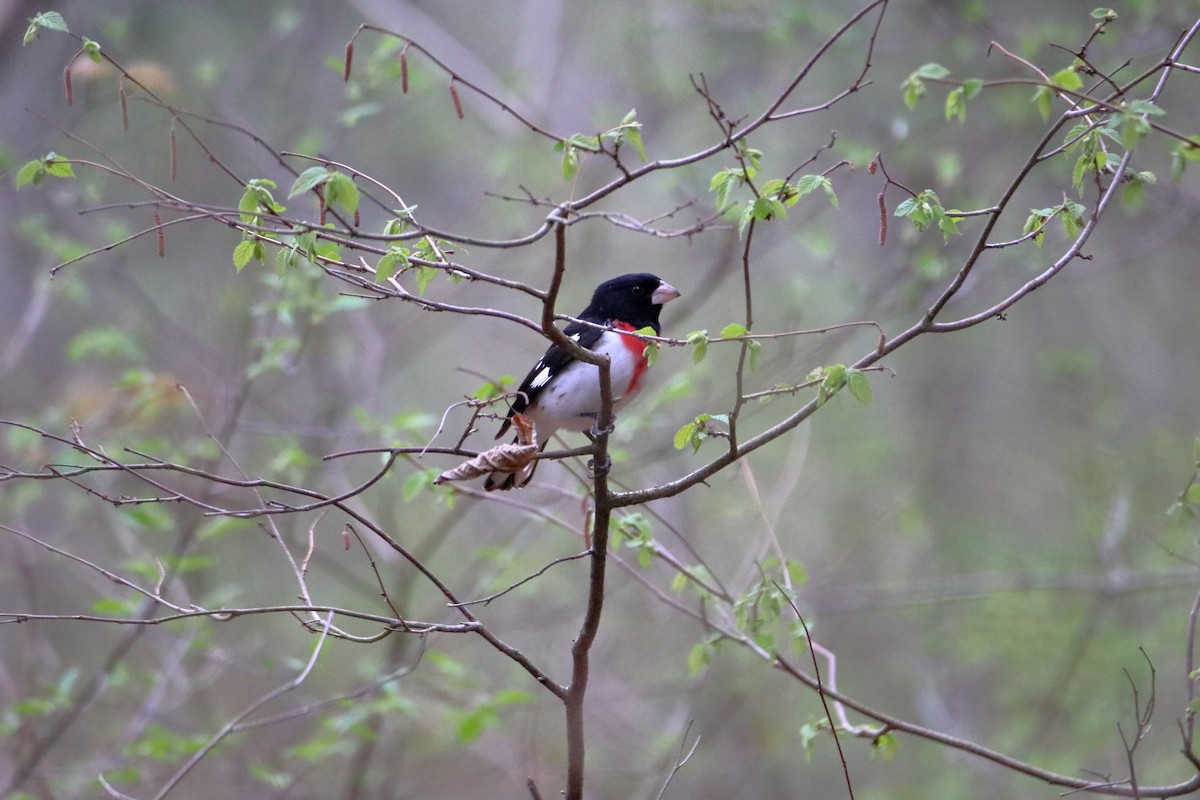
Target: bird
[561,392]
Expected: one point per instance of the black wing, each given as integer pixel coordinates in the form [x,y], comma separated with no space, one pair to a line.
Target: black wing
[552,362]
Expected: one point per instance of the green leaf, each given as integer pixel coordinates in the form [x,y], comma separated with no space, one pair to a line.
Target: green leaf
[830,195]
[797,572]
[242,254]
[1193,494]
[810,183]
[570,160]
[340,189]
[650,353]
[914,90]
[1146,107]
[699,342]
[733,330]
[59,168]
[33,172]
[36,171]
[1068,79]
[1104,14]
[956,105]
[1036,219]
[762,208]
[425,276]
[906,208]
[808,734]
[1134,125]
[47,20]
[948,226]
[308,180]
[1073,217]
[699,658]
[914,84]
[256,199]
[723,183]
[684,435]
[630,132]
[755,348]
[886,745]
[92,49]
[1043,98]
[417,482]
[933,71]
[972,87]
[859,386]
[834,379]
[392,262]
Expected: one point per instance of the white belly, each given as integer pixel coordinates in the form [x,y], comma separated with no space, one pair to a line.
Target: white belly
[572,401]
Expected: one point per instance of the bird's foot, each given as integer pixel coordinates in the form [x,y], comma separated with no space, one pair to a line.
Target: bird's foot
[596,430]
[602,470]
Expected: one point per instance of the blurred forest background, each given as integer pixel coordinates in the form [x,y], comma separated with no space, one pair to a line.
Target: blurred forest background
[987,545]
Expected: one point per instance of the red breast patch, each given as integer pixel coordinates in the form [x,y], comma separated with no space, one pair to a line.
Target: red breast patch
[638,348]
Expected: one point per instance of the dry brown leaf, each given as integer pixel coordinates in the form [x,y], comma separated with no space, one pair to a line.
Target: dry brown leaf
[504,458]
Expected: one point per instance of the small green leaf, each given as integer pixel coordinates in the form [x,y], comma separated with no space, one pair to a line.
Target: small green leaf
[425,276]
[59,168]
[914,84]
[886,745]
[1043,98]
[733,330]
[630,132]
[651,351]
[684,435]
[956,105]
[1104,14]
[341,190]
[859,386]
[808,734]
[914,90]
[699,342]
[388,265]
[810,183]
[933,71]
[1193,494]
[417,482]
[570,159]
[308,180]
[948,226]
[31,172]
[972,87]
[797,572]
[723,183]
[699,658]
[830,195]
[1068,79]
[92,49]
[47,20]
[243,253]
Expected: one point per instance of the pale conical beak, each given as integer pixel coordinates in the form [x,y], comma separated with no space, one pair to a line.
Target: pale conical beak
[663,293]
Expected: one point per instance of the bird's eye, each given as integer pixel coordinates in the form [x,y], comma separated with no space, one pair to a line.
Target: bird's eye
[637,290]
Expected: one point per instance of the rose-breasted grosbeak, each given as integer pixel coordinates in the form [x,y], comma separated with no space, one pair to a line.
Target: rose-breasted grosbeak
[563,392]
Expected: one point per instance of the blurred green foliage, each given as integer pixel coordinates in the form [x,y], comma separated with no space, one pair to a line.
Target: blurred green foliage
[982,537]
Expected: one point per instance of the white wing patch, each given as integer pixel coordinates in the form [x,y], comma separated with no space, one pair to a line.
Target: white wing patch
[540,379]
